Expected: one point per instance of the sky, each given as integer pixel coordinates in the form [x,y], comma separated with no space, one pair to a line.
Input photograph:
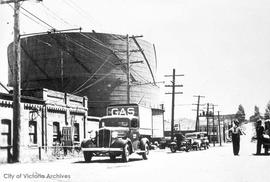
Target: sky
[222,47]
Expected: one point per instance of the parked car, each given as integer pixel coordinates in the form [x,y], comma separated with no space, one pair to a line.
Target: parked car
[180,143]
[199,140]
[164,142]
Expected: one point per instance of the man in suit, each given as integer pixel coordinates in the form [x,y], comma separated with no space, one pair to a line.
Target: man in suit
[259,134]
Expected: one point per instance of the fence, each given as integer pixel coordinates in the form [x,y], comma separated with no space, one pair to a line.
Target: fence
[38,153]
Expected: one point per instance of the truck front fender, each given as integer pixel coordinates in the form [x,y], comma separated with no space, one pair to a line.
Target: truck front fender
[143,143]
[120,143]
[88,143]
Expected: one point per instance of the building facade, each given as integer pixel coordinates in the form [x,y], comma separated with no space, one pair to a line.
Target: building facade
[49,121]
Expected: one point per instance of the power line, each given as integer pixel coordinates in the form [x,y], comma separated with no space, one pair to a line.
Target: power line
[85,15]
[54,28]
[102,78]
[111,49]
[83,46]
[86,48]
[77,90]
[37,18]
[55,15]
[102,44]
[29,17]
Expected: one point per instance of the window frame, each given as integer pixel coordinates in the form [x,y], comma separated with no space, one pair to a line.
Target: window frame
[7,134]
[34,133]
[76,136]
[57,134]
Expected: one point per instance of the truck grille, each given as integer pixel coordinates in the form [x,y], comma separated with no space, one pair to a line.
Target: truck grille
[104,136]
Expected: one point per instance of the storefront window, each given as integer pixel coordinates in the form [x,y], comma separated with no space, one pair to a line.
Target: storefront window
[76,132]
[5,132]
[33,132]
[56,132]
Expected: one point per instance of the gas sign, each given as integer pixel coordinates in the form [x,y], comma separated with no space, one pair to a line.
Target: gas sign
[122,110]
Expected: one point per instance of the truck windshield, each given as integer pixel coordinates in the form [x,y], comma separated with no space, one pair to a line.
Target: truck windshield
[112,122]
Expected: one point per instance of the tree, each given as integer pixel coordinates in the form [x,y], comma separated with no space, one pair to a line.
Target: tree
[256,116]
[267,111]
[240,114]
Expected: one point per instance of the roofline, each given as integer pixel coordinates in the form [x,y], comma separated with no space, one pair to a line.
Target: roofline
[24,99]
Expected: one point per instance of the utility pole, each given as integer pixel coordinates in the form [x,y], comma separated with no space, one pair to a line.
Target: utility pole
[173,98]
[213,118]
[62,70]
[16,80]
[219,129]
[128,62]
[224,128]
[128,71]
[17,85]
[207,120]
[197,126]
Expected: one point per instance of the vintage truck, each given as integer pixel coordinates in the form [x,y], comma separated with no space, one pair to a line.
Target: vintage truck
[125,130]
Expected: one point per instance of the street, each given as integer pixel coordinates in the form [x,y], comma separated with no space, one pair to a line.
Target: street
[215,164]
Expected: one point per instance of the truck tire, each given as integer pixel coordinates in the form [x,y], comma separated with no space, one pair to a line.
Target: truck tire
[173,148]
[187,149]
[125,154]
[87,156]
[145,154]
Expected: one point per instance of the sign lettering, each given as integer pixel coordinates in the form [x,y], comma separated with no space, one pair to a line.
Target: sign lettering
[123,110]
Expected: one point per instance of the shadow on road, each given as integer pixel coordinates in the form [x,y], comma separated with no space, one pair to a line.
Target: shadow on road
[107,161]
[184,151]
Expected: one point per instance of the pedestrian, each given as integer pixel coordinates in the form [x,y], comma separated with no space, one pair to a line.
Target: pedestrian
[267,127]
[266,136]
[236,132]
[262,136]
[259,134]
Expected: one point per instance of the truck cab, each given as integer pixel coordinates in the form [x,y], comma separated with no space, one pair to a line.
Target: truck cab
[118,135]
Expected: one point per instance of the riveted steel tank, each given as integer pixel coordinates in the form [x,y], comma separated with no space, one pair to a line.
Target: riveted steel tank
[89,64]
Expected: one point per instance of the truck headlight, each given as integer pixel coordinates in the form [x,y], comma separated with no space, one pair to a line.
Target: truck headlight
[114,134]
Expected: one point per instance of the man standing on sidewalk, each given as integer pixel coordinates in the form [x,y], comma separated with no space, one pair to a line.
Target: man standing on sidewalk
[236,132]
[259,133]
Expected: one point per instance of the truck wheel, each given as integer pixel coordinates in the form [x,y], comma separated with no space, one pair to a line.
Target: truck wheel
[125,154]
[173,148]
[87,156]
[145,154]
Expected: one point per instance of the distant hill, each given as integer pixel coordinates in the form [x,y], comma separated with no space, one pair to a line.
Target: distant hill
[186,123]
